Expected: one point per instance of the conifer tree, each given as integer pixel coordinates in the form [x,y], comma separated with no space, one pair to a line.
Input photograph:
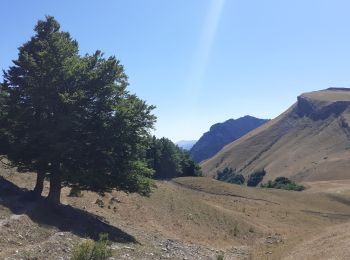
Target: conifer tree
[70,118]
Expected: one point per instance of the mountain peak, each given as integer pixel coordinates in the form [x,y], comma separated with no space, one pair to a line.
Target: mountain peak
[221,134]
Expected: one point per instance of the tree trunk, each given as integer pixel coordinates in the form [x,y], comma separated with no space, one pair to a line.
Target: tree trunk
[39,186]
[55,185]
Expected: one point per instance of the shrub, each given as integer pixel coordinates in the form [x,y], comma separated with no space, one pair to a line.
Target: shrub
[256,177]
[75,192]
[93,250]
[283,183]
[229,175]
[220,257]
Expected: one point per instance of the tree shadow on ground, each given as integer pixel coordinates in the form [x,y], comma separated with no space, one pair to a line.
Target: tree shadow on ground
[63,217]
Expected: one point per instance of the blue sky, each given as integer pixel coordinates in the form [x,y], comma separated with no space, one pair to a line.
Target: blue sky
[202,61]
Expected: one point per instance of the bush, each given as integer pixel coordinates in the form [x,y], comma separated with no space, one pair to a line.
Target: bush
[220,257]
[283,183]
[256,177]
[93,250]
[75,192]
[230,176]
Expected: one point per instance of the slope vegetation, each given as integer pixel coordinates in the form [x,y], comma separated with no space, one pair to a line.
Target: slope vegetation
[308,142]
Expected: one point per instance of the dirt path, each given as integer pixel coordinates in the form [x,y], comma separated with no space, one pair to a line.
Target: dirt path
[198,189]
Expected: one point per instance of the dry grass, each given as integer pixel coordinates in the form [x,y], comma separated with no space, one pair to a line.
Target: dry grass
[267,224]
[297,147]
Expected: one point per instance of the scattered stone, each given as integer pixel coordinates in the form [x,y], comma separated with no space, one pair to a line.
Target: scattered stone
[129,248]
[100,203]
[114,199]
[115,247]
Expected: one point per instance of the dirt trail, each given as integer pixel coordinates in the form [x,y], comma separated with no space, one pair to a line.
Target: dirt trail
[199,189]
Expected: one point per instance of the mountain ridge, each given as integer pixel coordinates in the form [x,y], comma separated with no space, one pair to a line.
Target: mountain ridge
[308,142]
[221,134]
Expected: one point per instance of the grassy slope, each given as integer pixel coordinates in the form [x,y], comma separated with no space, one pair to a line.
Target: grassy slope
[294,146]
[263,224]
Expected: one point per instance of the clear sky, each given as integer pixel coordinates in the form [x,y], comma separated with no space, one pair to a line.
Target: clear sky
[202,61]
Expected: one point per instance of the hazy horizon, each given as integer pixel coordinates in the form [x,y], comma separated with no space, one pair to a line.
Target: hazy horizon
[204,61]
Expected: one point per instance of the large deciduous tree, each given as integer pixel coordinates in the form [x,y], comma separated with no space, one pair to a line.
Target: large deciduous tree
[70,118]
[169,161]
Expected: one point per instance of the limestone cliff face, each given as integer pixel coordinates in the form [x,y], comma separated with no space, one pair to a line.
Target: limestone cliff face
[310,141]
[320,110]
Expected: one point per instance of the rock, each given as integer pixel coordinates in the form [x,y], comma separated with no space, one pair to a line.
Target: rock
[100,203]
[115,247]
[129,248]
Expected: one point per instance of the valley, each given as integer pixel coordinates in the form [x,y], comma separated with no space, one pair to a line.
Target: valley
[181,130]
[186,218]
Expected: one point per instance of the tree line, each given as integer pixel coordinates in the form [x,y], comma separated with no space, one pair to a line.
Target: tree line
[70,118]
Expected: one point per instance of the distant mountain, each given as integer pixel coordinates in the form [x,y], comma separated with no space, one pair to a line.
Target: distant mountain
[186,144]
[222,134]
[308,142]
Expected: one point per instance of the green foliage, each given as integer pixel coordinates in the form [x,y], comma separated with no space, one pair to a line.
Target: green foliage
[170,161]
[4,145]
[75,192]
[92,250]
[230,176]
[283,183]
[220,257]
[137,178]
[255,178]
[72,117]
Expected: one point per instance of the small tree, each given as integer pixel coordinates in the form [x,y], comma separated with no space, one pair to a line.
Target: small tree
[256,177]
[71,118]
[229,175]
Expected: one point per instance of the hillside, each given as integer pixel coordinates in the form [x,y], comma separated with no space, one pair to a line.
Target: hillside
[308,142]
[187,218]
[221,134]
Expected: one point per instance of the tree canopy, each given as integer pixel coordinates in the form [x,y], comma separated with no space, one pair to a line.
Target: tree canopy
[231,176]
[170,161]
[70,117]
